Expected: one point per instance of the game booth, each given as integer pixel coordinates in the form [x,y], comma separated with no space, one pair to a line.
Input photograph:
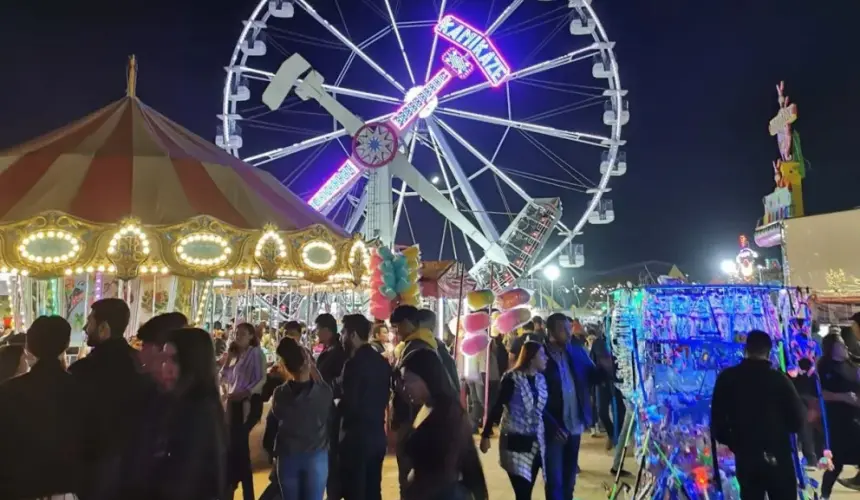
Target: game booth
[671,341]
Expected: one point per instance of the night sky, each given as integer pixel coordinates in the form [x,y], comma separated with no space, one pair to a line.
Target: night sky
[701,78]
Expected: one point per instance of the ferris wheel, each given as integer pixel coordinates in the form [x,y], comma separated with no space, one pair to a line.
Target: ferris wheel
[406,122]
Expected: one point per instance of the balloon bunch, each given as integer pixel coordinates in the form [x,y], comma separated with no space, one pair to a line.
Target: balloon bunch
[394,280]
[480,324]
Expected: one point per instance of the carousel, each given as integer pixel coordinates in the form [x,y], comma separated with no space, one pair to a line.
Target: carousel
[127,203]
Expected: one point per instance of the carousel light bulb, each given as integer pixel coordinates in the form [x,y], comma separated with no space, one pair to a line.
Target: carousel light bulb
[79,270]
[40,235]
[101,269]
[68,272]
[111,268]
[25,273]
[90,269]
[163,270]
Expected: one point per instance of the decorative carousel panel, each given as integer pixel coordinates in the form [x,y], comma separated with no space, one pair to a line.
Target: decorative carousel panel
[358,262]
[128,249]
[270,253]
[202,247]
[46,245]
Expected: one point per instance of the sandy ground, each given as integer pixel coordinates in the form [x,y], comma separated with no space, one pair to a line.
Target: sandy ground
[594,463]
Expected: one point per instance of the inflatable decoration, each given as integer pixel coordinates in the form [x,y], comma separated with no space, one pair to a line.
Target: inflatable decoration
[477,322]
[474,343]
[515,297]
[394,280]
[479,299]
[509,321]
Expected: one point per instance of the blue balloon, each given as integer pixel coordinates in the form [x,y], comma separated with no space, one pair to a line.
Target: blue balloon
[402,285]
[389,279]
[386,253]
[387,292]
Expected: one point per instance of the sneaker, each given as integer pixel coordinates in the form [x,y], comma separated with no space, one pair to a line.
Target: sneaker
[623,474]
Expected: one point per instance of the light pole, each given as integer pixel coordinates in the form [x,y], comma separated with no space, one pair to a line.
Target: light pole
[552,273]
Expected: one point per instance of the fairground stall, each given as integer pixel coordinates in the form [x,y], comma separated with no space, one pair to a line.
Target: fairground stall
[127,203]
[671,342]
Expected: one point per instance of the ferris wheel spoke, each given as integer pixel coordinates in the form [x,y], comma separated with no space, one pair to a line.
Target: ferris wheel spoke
[576,55]
[435,41]
[474,202]
[274,154]
[334,89]
[399,40]
[483,159]
[509,10]
[346,41]
[581,137]
[575,174]
[402,192]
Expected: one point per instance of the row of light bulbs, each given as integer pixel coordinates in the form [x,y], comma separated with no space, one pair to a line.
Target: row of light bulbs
[129,229]
[271,235]
[73,241]
[207,238]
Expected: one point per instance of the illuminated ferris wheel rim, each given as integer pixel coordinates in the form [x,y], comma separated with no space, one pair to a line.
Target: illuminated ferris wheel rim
[602,46]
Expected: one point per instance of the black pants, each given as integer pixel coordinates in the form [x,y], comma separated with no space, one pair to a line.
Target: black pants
[522,486]
[361,475]
[758,476]
[404,463]
[239,452]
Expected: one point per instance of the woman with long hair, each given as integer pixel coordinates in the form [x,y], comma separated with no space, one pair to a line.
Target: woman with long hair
[297,428]
[12,361]
[445,463]
[840,384]
[243,375]
[522,398]
[189,461]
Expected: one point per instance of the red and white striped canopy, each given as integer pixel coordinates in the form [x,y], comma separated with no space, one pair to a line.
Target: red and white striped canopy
[129,160]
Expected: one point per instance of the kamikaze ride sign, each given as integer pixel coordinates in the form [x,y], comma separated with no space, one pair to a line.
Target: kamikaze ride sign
[472,48]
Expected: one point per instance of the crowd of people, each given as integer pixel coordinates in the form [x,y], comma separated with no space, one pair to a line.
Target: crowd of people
[171,417]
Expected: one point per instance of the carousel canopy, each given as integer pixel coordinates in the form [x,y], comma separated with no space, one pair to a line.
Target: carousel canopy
[128,191]
[129,160]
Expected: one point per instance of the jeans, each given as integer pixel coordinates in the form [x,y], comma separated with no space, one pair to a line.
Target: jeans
[625,433]
[476,402]
[562,462]
[303,476]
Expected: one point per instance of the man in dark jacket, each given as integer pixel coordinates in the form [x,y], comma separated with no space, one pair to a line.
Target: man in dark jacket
[44,421]
[330,365]
[330,361]
[754,411]
[569,374]
[118,390]
[364,394]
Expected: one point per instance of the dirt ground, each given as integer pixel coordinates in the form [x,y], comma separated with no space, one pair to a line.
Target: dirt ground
[595,462]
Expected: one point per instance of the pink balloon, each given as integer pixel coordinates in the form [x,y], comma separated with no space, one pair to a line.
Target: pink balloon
[509,321]
[474,344]
[375,259]
[380,310]
[476,322]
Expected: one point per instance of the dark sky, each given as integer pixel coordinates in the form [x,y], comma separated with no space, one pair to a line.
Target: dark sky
[700,75]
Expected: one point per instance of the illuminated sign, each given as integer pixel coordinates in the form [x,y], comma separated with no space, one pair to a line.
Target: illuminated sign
[780,125]
[478,45]
[412,108]
[335,186]
[457,63]
[777,206]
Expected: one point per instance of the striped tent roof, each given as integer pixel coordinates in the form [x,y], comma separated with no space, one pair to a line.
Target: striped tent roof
[129,160]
